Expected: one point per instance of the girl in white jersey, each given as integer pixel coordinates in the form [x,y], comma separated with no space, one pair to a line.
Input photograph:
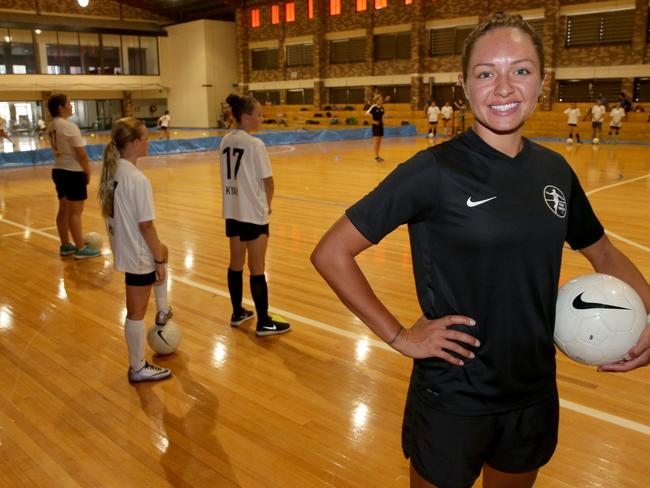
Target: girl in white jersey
[127,205]
[71,176]
[247,185]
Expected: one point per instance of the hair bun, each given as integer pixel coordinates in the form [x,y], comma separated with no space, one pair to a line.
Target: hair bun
[234,100]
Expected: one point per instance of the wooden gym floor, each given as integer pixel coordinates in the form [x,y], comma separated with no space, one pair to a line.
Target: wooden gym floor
[318,407]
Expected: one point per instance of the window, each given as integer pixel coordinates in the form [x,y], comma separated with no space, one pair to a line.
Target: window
[588,90]
[335,7]
[448,41]
[111,60]
[255,17]
[63,53]
[267,97]
[361,5]
[299,55]
[397,93]
[90,53]
[310,9]
[408,2]
[17,52]
[348,50]
[379,4]
[393,46]
[600,28]
[290,12]
[275,14]
[265,58]
[346,95]
[300,96]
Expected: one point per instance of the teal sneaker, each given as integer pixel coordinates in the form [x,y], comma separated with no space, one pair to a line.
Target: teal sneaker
[86,253]
[67,249]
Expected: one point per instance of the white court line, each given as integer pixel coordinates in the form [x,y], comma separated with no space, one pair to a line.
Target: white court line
[27,228]
[603,416]
[624,182]
[23,232]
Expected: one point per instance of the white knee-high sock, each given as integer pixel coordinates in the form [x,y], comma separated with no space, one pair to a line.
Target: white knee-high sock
[160,291]
[134,335]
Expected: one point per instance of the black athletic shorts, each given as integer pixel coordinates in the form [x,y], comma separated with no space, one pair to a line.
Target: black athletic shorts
[596,125]
[245,230]
[377,130]
[450,450]
[573,125]
[140,279]
[70,184]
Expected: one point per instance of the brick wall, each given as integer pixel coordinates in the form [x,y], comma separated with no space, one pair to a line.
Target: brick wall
[416,15]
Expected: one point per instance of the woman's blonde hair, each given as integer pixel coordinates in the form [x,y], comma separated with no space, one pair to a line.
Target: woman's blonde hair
[125,130]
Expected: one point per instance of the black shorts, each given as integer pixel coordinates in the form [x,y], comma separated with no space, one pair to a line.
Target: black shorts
[450,450]
[70,184]
[596,125]
[433,123]
[245,230]
[132,279]
[573,125]
[377,130]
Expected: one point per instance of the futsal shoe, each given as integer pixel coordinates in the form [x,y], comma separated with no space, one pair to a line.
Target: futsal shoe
[86,253]
[273,325]
[241,317]
[162,317]
[379,159]
[67,249]
[149,372]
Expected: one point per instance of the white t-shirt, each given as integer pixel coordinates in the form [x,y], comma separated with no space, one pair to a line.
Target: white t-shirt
[598,113]
[64,136]
[164,120]
[573,115]
[132,204]
[617,115]
[433,113]
[447,111]
[244,165]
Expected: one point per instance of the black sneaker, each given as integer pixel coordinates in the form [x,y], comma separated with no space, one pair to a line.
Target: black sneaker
[274,325]
[240,318]
[379,160]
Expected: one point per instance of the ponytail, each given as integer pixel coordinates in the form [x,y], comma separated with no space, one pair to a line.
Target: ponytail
[106,184]
[125,131]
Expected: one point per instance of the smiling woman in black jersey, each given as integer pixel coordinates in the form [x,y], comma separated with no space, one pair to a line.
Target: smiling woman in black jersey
[486,249]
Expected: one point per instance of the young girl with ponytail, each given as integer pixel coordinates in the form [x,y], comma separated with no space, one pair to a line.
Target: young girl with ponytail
[247,185]
[127,205]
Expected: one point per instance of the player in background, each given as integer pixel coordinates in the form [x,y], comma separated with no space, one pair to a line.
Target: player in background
[433,111]
[163,124]
[616,116]
[597,113]
[376,114]
[71,176]
[573,115]
[247,186]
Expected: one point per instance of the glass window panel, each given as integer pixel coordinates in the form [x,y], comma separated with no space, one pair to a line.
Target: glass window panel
[149,45]
[18,51]
[4,50]
[69,53]
[111,61]
[131,55]
[90,53]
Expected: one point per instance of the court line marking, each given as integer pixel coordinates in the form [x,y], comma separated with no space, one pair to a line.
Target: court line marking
[26,230]
[576,407]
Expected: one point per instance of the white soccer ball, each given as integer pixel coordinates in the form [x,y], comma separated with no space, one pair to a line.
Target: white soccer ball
[164,339]
[569,141]
[430,135]
[596,140]
[94,240]
[598,319]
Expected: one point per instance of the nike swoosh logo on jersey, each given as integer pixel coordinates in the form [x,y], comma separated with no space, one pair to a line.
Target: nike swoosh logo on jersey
[471,204]
[580,304]
[159,332]
[269,327]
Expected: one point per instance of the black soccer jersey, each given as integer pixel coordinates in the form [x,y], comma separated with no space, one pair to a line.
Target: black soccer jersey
[377,113]
[486,233]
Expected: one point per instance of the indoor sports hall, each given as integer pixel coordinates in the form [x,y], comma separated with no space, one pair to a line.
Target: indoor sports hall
[321,406]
